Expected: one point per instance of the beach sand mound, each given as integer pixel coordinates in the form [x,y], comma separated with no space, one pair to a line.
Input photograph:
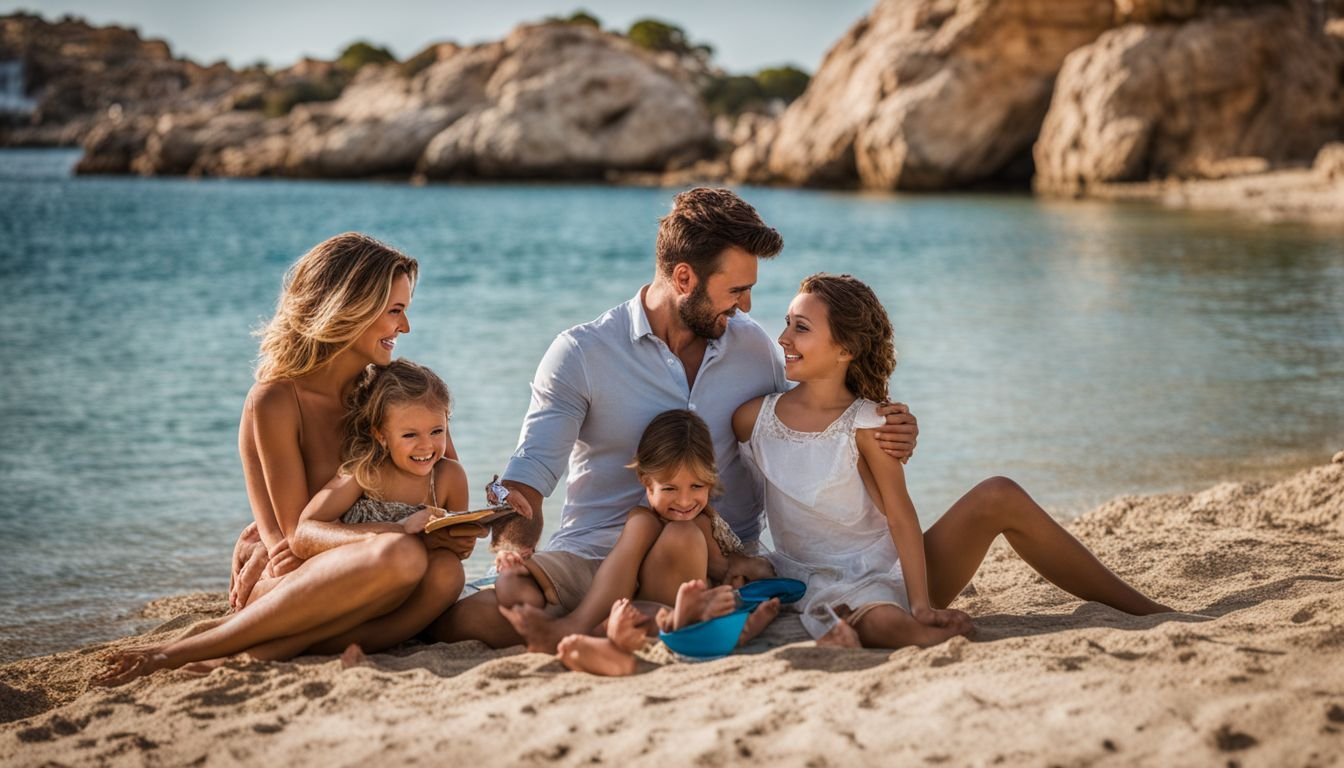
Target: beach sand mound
[1253,674]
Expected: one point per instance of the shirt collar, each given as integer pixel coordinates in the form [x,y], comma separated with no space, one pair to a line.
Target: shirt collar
[639,322]
[639,319]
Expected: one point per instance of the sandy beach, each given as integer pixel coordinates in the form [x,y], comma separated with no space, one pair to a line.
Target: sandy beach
[1253,674]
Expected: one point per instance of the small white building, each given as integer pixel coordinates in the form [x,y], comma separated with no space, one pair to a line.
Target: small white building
[13,100]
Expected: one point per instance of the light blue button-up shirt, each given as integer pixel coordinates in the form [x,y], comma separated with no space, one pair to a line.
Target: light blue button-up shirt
[599,386]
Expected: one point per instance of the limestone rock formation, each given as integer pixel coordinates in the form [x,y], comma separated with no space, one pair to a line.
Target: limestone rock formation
[552,100]
[1239,89]
[927,94]
[568,100]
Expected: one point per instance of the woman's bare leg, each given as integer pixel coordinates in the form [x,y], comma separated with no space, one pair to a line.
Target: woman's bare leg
[381,572]
[438,590]
[955,546]
[376,630]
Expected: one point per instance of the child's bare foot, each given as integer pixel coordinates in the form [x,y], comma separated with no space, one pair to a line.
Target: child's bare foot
[697,603]
[664,619]
[540,632]
[841,636]
[596,656]
[124,666]
[353,656]
[625,626]
[759,619]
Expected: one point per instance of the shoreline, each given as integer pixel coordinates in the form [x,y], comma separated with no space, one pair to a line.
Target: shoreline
[1258,677]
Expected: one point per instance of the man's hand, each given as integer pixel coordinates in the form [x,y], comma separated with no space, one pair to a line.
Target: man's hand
[460,539]
[282,560]
[516,500]
[744,568]
[899,435]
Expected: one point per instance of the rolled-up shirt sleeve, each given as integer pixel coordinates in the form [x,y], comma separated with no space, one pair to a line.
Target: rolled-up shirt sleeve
[560,399]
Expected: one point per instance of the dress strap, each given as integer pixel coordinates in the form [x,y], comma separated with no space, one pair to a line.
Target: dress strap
[433,494]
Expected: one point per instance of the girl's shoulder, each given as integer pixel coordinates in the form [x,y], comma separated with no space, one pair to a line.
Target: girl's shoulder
[450,478]
[744,418]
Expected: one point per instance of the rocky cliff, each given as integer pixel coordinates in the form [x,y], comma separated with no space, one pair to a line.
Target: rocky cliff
[552,100]
[935,94]
[79,75]
[1194,91]
[928,94]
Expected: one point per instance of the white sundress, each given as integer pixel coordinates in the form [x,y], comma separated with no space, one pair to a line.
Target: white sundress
[826,529]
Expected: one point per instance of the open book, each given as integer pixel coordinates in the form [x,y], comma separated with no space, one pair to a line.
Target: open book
[483,516]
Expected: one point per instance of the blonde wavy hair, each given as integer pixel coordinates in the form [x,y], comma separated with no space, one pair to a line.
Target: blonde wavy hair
[400,383]
[860,325]
[330,296]
[676,439]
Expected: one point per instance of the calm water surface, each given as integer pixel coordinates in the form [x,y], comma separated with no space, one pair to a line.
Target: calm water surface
[1086,350]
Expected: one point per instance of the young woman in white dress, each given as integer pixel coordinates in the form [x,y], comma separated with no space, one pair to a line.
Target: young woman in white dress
[837,506]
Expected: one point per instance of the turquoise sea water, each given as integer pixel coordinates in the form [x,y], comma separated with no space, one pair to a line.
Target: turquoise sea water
[1086,350]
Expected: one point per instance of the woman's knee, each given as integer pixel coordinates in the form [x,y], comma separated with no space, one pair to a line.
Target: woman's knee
[444,574]
[401,559]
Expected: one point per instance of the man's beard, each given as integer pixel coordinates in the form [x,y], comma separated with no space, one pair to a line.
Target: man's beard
[699,315]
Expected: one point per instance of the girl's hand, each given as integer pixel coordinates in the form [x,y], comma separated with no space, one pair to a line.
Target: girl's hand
[958,621]
[282,560]
[507,559]
[459,539]
[417,521]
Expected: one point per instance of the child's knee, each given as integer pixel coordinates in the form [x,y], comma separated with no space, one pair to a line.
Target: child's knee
[683,536]
[516,586]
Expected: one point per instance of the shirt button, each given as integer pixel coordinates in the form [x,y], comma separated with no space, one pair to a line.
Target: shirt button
[691,406]
[670,361]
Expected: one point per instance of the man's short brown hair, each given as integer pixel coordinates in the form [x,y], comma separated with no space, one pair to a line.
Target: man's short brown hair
[703,223]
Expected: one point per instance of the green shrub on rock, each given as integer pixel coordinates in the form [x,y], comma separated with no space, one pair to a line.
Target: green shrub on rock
[360,53]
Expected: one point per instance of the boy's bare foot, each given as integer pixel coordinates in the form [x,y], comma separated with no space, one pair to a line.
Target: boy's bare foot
[541,633]
[841,636]
[759,619]
[353,656]
[124,666]
[595,655]
[625,626]
[697,603]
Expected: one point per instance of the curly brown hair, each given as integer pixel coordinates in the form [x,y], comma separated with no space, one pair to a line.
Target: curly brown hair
[330,296]
[377,390]
[860,325]
[676,439]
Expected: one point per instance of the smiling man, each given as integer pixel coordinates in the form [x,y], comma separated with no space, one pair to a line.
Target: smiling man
[683,341]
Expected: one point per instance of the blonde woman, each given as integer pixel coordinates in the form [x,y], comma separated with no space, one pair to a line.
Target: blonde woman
[342,308]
